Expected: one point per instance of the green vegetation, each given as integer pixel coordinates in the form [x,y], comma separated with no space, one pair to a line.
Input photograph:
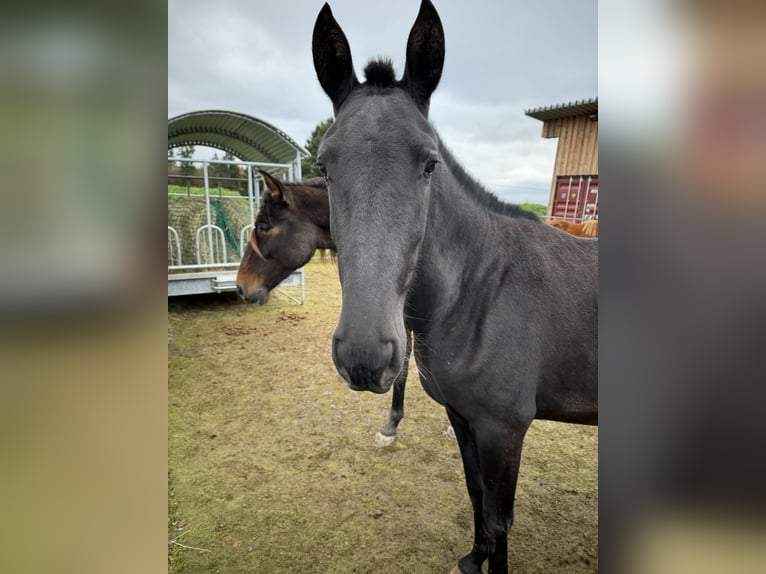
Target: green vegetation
[185,168]
[537,208]
[231,175]
[201,191]
[308,164]
[175,530]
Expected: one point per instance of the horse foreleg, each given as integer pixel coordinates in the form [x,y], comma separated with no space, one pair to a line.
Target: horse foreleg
[471,562]
[387,433]
[499,451]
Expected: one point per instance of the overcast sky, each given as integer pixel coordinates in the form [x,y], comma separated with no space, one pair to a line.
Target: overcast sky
[502,57]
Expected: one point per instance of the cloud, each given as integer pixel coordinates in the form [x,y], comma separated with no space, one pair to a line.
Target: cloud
[498,145]
[501,59]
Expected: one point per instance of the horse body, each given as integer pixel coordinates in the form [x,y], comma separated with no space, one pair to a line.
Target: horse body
[502,295]
[503,337]
[508,282]
[503,309]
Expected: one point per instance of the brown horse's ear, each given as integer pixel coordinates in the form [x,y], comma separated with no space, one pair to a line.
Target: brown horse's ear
[425,56]
[276,188]
[332,58]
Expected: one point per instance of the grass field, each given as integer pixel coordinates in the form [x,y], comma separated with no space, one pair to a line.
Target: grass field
[272,466]
[201,191]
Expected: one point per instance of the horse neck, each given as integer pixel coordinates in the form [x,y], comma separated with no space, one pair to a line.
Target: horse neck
[459,248]
[314,206]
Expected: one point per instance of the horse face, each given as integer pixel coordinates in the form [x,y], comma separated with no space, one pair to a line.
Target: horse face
[378,159]
[280,243]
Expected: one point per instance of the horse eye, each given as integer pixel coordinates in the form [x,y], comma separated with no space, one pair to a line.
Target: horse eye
[263,228]
[322,170]
[430,167]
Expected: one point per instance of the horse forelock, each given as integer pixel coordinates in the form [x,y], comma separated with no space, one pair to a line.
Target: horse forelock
[380,73]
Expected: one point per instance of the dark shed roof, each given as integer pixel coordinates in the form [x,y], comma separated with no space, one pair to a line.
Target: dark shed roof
[245,137]
[570,110]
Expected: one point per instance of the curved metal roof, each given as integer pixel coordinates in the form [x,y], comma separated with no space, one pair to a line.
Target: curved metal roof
[245,137]
[570,110]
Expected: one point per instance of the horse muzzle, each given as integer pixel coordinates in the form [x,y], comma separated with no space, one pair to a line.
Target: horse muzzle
[366,367]
[258,296]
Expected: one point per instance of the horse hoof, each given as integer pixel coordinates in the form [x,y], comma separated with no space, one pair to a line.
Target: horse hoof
[450,432]
[382,440]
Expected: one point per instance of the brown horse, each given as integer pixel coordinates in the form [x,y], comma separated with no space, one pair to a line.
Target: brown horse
[584,229]
[293,221]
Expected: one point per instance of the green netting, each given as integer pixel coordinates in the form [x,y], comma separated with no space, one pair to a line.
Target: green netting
[187,214]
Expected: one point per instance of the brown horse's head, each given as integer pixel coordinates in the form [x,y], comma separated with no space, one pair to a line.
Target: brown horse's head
[292,223]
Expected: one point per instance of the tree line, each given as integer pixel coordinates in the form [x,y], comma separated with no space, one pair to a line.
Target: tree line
[225,173]
[308,164]
[230,176]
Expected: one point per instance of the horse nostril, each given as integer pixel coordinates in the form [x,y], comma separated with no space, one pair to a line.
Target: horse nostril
[260,296]
[240,292]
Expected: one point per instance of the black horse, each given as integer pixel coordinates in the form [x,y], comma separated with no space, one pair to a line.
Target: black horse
[293,221]
[503,308]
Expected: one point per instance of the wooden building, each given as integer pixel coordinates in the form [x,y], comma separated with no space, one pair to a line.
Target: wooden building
[574,188]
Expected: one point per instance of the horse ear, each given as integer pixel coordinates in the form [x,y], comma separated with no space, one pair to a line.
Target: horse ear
[275,187]
[332,58]
[425,56]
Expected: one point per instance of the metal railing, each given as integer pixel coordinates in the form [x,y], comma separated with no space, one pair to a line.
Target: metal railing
[210,251]
[214,241]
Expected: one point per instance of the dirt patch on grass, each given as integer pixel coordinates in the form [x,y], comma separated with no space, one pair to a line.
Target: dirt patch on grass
[273,467]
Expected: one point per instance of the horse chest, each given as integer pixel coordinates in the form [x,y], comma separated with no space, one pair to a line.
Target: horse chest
[453,374]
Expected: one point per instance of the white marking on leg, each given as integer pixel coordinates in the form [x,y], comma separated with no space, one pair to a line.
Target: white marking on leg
[382,440]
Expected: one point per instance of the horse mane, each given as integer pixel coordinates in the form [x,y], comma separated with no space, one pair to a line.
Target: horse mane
[479,193]
[316,182]
[305,191]
[307,194]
